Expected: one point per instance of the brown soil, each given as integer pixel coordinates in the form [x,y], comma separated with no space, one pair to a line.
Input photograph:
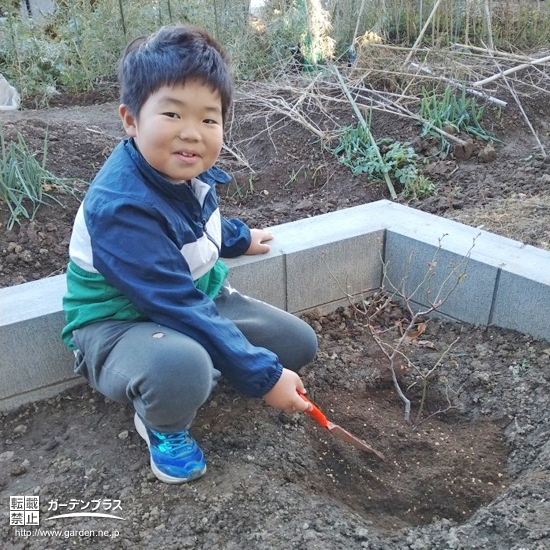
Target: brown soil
[474,477]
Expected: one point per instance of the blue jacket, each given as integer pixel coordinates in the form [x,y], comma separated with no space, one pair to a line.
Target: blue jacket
[141,246]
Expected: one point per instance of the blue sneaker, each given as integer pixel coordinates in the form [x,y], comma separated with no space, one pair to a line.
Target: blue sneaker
[175,457]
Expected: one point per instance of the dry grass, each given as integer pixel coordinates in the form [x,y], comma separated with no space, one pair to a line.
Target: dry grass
[381,82]
[383,79]
[520,218]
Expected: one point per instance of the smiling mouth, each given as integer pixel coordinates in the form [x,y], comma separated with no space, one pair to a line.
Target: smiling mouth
[187,158]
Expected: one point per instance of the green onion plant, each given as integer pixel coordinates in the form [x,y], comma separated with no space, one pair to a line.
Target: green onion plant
[25,183]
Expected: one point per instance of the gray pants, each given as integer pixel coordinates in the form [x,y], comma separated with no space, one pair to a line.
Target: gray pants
[167,375]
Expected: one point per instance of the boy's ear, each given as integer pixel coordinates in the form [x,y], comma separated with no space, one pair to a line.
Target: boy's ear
[128,120]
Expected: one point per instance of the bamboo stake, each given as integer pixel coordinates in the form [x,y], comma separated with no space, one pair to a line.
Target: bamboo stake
[122,21]
[358,21]
[364,124]
[467,22]
[422,32]
[514,95]
[539,61]
[478,93]
[492,53]
[535,135]
[488,23]
[397,108]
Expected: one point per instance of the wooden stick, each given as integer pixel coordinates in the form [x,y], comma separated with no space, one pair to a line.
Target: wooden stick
[512,91]
[487,9]
[478,93]
[422,32]
[397,108]
[492,53]
[358,21]
[363,123]
[539,61]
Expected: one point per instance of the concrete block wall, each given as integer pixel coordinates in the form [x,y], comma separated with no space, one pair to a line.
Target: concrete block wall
[322,260]
[34,363]
[506,284]
[315,263]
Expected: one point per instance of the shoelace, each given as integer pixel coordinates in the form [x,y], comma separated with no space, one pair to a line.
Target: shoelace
[173,443]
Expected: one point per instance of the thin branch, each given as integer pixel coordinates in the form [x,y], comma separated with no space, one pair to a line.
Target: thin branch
[238,156]
[514,95]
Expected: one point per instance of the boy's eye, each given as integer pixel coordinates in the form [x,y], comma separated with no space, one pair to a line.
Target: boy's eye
[170,115]
[210,121]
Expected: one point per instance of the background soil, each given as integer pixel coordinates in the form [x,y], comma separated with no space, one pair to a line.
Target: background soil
[475,477]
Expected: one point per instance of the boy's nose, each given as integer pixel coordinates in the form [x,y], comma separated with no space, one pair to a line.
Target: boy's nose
[190,133]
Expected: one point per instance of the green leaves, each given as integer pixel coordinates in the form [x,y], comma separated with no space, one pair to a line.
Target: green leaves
[454,113]
[24,181]
[399,161]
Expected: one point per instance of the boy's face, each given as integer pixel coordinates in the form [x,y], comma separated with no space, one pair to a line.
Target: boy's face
[179,130]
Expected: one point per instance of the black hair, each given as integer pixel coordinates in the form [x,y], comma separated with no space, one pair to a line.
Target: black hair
[175,54]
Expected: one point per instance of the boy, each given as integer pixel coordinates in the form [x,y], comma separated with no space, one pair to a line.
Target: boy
[149,315]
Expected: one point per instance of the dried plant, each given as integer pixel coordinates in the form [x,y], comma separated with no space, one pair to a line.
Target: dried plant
[394,340]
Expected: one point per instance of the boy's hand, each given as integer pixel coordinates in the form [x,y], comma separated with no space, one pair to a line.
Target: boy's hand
[257,243]
[284,394]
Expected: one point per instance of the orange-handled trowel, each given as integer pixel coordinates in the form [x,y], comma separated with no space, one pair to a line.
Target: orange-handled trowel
[336,430]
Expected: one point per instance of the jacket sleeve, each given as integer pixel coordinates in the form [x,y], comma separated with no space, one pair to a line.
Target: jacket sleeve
[133,250]
[235,238]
